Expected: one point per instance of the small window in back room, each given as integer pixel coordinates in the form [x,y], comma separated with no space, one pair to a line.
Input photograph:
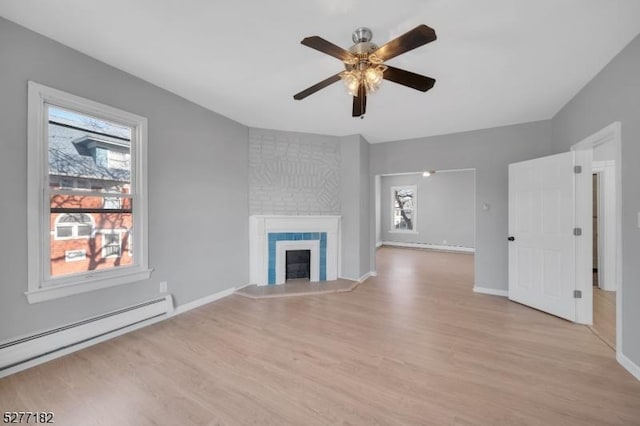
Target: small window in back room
[403,208]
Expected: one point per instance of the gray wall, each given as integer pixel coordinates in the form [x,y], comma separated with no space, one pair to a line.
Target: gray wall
[197,170]
[614,95]
[293,173]
[445,208]
[356,212]
[367,234]
[489,152]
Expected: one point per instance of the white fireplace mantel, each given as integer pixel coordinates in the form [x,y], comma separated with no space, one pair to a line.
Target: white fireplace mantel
[271,236]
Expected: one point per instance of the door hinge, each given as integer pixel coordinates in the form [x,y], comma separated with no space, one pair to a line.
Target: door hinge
[577,294]
[577,231]
[577,169]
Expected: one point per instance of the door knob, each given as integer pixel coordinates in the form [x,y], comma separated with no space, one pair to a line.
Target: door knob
[511,238]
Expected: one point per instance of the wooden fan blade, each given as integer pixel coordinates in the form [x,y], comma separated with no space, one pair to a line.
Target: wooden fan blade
[313,89]
[360,102]
[417,37]
[327,47]
[408,78]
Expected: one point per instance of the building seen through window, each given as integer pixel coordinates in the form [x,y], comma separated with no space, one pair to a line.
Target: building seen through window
[89,175]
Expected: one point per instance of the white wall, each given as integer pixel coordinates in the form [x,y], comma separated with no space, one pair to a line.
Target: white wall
[445,208]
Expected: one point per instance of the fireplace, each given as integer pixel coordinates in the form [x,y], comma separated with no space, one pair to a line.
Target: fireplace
[271,237]
[297,264]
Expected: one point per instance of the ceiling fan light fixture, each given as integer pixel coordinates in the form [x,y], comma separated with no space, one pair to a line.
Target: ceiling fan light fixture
[364,64]
[351,81]
[373,77]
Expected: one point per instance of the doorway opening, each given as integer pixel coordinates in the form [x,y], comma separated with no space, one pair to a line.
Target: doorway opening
[604,287]
[550,229]
[604,212]
[430,209]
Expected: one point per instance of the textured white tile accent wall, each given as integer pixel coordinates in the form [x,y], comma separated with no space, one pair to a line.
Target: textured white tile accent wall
[293,173]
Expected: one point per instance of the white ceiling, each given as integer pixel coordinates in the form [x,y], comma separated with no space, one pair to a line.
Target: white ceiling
[496,62]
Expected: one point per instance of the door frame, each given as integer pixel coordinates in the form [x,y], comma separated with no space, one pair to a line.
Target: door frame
[584,149]
[606,224]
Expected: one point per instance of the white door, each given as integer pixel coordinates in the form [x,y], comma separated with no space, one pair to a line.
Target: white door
[542,255]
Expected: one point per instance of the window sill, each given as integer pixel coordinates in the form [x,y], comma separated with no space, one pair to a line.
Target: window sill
[87,284]
[399,231]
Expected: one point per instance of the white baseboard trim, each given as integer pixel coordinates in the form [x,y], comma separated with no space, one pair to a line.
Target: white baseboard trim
[203,301]
[378,244]
[629,365]
[99,338]
[491,291]
[366,276]
[243,286]
[455,249]
[27,351]
[78,346]
[362,278]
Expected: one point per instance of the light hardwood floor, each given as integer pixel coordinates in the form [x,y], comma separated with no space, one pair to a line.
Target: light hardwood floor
[412,346]
[604,315]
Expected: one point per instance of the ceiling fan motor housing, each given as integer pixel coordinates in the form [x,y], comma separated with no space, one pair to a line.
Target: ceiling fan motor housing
[362,34]
[362,48]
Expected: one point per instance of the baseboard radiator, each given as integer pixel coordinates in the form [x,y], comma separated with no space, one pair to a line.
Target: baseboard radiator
[28,350]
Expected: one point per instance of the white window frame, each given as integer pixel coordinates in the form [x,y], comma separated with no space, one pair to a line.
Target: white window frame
[392,228]
[41,286]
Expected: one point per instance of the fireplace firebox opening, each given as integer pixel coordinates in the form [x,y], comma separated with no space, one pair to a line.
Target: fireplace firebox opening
[298,264]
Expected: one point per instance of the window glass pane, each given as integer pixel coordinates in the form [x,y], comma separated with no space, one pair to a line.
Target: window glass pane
[111,245]
[111,239]
[88,153]
[81,225]
[111,250]
[64,231]
[75,218]
[84,230]
[81,152]
[73,255]
[74,205]
[403,209]
[65,183]
[111,202]
[83,184]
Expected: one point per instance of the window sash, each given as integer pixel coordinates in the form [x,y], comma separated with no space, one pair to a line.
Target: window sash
[78,190]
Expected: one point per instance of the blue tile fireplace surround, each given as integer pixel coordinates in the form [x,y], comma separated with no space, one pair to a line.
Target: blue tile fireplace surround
[274,237]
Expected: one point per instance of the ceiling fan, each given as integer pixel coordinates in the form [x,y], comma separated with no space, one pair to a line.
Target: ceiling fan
[364,64]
